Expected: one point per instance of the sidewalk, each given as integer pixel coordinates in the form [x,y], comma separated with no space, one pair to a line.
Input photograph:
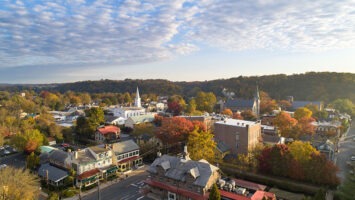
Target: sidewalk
[109,183]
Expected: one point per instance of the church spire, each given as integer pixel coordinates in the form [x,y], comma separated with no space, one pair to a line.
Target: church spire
[137,100]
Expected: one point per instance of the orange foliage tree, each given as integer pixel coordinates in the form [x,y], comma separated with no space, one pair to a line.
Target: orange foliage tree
[285,123]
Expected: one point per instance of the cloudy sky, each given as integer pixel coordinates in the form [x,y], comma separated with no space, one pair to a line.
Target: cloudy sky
[44,41]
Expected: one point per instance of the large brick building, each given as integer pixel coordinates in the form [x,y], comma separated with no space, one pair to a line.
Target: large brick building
[239,135]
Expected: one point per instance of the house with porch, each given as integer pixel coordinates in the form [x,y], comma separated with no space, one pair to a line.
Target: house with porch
[91,164]
[52,175]
[127,154]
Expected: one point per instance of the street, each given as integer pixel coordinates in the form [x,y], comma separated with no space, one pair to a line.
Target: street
[346,150]
[127,189]
[17,160]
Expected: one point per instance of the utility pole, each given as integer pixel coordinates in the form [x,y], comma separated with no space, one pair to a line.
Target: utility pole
[98,189]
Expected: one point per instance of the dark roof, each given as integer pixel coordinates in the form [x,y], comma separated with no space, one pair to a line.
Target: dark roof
[54,174]
[177,169]
[241,103]
[59,156]
[299,104]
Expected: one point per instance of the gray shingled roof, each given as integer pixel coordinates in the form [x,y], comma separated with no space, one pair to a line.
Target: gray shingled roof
[54,174]
[241,103]
[180,168]
[59,156]
[124,146]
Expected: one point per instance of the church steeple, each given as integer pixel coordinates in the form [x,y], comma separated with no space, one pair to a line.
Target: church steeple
[137,100]
[257,101]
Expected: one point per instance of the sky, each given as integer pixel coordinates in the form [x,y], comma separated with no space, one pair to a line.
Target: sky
[44,41]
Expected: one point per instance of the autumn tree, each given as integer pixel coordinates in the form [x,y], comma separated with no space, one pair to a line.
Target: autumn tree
[176,105]
[205,101]
[18,184]
[267,104]
[191,107]
[302,112]
[29,140]
[284,104]
[201,145]
[248,115]
[175,129]
[285,123]
[302,151]
[214,193]
[227,112]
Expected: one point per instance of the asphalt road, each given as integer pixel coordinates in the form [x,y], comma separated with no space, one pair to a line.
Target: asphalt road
[346,150]
[17,160]
[127,189]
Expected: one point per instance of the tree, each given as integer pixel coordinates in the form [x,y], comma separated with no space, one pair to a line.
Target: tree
[248,115]
[346,190]
[303,113]
[175,129]
[176,104]
[53,196]
[143,128]
[191,107]
[284,104]
[205,101]
[18,184]
[32,161]
[29,140]
[267,104]
[127,98]
[344,105]
[1,137]
[214,193]
[201,145]
[302,151]
[227,112]
[285,123]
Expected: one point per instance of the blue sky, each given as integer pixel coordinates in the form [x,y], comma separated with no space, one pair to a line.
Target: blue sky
[181,40]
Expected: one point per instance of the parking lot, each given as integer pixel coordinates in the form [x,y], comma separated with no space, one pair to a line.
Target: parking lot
[7,150]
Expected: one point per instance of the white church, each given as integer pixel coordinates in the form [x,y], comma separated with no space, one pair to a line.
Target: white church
[126,112]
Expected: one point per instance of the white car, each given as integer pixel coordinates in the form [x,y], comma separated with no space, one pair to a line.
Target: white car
[6,152]
[2,148]
[352,158]
[3,166]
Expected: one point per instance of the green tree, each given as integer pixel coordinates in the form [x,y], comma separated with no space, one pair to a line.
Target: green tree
[191,107]
[18,184]
[344,105]
[201,145]
[53,196]
[346,190]
[95,116]
[32,161]
[214,193]
[127,98]
[29,140]
[205,101]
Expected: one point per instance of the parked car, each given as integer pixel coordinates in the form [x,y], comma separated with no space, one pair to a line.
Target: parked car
[352,158]
[6,152]
[3,166]
[2,148]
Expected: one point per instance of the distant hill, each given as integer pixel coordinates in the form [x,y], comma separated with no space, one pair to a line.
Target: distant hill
[325,86]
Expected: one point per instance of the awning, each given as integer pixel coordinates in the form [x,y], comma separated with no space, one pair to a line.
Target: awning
[112,169]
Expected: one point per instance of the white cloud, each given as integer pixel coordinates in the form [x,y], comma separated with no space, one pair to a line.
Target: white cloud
[267,24]
[78,32]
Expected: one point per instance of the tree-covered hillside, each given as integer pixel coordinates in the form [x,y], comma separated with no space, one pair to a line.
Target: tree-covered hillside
[325,86]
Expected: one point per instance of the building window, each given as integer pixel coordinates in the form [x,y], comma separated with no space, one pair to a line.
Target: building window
[171,196]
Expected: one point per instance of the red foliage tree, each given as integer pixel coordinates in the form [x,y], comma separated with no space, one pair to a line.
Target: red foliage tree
[175,129]
[175,108]
[237,115]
